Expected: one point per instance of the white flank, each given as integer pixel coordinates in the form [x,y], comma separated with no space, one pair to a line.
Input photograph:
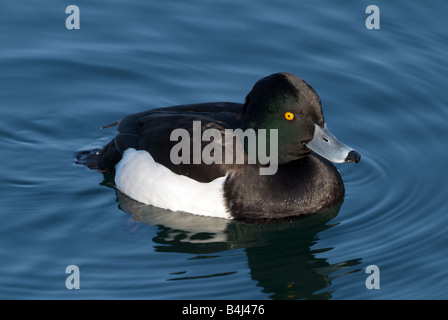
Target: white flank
[141,178]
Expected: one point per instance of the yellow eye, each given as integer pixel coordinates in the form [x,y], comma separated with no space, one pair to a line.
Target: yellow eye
[289,116]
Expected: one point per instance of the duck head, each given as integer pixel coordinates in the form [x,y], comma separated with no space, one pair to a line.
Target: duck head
[287,103]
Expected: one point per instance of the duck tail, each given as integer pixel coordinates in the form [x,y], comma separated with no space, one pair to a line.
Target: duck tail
[89,158]
[103,160]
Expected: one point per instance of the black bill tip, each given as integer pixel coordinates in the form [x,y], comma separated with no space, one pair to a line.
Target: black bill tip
[353,156]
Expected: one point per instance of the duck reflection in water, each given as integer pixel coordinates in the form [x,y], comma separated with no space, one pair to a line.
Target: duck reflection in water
[280,256]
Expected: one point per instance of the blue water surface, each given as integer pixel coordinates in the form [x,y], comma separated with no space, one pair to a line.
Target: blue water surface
[384,92]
